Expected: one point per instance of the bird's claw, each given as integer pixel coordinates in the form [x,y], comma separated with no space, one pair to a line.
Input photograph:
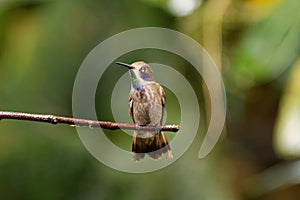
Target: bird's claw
[137,127]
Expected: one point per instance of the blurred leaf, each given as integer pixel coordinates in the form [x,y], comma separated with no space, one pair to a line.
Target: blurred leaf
[287,133]
[268,48]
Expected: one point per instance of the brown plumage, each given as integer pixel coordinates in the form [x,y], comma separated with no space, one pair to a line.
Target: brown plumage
[146,107]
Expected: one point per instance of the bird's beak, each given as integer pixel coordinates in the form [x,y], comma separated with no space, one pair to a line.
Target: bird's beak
[125,65]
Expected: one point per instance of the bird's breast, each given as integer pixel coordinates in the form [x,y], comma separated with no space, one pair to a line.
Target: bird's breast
[147,106]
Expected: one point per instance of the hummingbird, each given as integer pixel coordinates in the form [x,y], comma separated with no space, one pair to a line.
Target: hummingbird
[146,107]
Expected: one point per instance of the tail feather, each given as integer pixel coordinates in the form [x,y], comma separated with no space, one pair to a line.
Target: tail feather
[154,146]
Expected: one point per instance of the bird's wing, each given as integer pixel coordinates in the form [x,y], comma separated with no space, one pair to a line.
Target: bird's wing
[131,108]
[163,102]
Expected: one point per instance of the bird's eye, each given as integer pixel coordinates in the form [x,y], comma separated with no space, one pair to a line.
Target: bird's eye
[143,69]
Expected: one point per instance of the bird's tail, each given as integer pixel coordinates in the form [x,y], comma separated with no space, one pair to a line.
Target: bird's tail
[155,146]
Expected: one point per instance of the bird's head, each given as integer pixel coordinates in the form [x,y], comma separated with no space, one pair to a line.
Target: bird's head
[140,72]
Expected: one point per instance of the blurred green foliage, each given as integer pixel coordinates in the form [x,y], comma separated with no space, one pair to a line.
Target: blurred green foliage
[43,43]
[268,48]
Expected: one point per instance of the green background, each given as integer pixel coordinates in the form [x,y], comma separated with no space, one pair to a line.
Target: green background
[256,46]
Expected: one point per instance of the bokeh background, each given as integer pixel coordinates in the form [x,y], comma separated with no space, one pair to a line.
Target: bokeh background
[255,44]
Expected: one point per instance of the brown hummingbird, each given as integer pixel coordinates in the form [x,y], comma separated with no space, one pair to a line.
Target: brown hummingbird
[146,107]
